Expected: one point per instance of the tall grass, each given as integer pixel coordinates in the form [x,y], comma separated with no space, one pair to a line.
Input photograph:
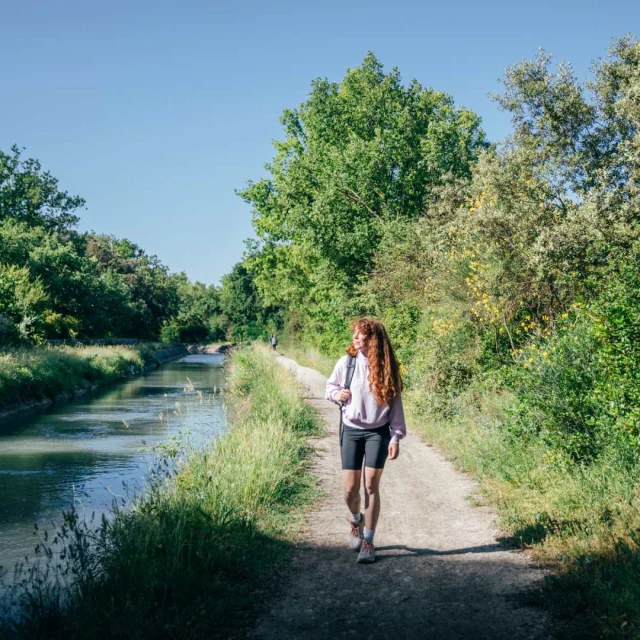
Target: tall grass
[39,373]
[193,557]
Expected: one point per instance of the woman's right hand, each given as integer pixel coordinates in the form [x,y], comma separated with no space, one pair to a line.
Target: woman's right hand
[344,395]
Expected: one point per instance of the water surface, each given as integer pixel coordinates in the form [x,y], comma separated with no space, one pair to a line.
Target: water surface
[100,446]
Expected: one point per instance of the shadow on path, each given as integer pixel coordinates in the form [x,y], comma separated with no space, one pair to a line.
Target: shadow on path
[382,551]
[408,593]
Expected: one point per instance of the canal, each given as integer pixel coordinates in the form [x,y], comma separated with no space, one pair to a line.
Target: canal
[100,447]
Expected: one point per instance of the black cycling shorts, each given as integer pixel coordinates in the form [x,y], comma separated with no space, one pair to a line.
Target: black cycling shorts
[370,445]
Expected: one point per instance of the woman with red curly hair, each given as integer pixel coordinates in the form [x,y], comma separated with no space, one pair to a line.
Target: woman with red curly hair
[372,424]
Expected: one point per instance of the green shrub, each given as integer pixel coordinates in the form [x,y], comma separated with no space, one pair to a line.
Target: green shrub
[579,389]
[9,334]
[555,382]
[170,334]
[616,316]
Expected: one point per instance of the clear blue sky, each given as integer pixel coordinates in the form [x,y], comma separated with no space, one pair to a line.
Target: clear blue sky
[155,112]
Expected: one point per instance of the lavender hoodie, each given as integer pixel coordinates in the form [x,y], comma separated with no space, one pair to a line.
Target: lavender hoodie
[363,411]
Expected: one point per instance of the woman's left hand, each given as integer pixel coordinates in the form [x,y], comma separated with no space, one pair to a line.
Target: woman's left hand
[394,451]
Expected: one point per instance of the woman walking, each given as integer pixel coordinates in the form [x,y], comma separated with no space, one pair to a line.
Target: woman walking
[366,384]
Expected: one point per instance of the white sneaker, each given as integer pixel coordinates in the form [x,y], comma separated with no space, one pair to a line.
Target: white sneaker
[367,553]
[355,535]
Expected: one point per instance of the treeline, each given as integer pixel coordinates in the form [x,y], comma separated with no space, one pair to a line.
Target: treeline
[507,274]
[57,283]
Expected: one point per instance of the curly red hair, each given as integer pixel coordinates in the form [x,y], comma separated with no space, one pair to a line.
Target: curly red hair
[384,371]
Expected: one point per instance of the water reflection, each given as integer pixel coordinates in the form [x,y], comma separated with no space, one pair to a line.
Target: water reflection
[100,446]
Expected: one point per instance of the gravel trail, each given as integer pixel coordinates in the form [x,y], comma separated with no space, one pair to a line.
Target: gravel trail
[440,571]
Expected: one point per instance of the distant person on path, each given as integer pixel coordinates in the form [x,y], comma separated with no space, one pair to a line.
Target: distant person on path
[274,341]
[366,384]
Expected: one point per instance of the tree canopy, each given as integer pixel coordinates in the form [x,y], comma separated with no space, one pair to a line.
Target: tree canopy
[356,155]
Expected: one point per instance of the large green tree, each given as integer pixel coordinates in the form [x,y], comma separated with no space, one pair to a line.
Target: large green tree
[151,291]
[356,155]
[562,195]
[198,317]
[53,261]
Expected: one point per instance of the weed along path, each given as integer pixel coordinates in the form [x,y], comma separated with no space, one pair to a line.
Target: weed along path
[440,571]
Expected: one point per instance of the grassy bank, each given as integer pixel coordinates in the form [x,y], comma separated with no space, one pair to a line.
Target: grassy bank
[39,373]
[196,555]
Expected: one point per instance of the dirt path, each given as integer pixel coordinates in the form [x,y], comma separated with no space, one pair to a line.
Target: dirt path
[440,571]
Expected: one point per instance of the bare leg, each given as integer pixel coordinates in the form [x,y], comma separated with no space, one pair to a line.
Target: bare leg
[372,496]
[351,480]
